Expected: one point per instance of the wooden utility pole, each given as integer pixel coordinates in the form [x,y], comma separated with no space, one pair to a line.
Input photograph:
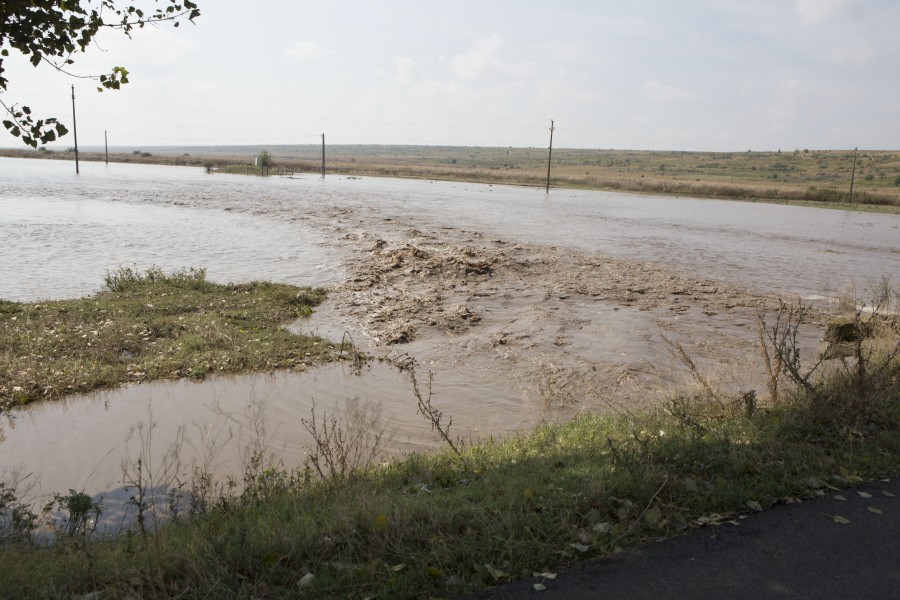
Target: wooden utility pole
[75,130]
[550,156]
[853,173]
[106,146]
[323,156]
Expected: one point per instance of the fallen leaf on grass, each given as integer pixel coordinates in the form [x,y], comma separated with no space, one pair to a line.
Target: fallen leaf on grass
[689,484]
[602,527]
[399,567]
[840,520]
[839,497]
[874,510]
[864,494]
[755,505]
[306,580]
[381,522]
[580,547]
[496,573]
[888,494]
[433,572]
[544,575]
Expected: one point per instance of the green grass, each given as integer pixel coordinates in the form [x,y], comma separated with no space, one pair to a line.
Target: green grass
[147,326]
[445,524]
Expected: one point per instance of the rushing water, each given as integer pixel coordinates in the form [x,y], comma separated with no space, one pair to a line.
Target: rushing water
[60,233]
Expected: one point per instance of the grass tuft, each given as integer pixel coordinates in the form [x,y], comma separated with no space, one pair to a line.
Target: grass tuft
[151,325]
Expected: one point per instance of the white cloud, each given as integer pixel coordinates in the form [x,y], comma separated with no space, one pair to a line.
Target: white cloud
[305,50]
[664,92]
[482,61]
[813,12]
[796,103]
[432,91]
[855,52]
[405,70]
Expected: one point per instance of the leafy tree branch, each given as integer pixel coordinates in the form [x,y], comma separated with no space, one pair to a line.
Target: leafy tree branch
[54,31]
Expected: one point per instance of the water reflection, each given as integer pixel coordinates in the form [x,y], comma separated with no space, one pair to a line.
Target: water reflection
[91,442]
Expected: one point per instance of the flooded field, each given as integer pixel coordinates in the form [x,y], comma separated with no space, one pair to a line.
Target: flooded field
[523,305]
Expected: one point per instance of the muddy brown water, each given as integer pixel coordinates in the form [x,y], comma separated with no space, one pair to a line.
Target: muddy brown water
[524,306]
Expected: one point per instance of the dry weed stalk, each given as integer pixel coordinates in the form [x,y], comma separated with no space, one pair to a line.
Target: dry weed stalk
[678,350]
[345,446]
[152,484]
[432,413]
[781,338]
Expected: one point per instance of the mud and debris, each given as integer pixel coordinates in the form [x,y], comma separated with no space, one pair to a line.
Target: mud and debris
[563,327]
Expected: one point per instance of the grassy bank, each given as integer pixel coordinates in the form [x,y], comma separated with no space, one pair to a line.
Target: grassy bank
[147,326]
[805,177]
[451,522]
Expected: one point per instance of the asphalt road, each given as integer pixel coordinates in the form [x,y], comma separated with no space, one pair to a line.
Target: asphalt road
[796,551]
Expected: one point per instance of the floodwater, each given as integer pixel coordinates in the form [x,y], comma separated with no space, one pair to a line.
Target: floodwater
[48,214]
[60,233]
[93,442]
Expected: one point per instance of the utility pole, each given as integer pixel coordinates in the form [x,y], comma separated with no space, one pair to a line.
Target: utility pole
[106,146]
[75,130]
[853,173]
[550,155]
[323,156]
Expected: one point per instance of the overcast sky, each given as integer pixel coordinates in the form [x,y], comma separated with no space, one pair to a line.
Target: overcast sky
[639,74]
